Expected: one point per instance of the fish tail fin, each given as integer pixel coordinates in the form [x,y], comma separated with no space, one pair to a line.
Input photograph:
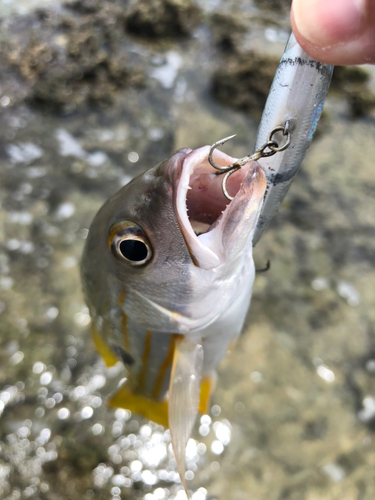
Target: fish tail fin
[184,393]
[157,411]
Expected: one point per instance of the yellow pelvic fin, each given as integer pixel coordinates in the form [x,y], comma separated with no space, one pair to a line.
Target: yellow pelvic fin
[104,350]
[207,386]
[153,410]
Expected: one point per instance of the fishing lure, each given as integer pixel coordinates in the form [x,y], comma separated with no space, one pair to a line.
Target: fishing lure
[296,97]
[168,270]
[289,120]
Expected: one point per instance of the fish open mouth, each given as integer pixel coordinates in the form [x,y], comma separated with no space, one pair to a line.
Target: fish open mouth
[208,220]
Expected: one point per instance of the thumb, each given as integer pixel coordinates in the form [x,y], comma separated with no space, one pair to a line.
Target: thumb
[336,31]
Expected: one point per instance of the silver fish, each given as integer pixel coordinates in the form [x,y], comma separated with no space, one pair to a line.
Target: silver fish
[167,273]
[297,96]
[168,270]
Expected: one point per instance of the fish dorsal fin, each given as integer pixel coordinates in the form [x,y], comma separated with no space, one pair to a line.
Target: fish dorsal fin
[184,393]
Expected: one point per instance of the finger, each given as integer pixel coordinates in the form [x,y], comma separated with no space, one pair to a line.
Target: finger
[336,31]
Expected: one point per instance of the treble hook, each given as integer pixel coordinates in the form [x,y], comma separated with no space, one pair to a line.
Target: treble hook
[228,169]
[216,145]
[271,144]
[233,167]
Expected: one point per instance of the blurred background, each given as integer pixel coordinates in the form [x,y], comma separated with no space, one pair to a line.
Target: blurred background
[93,92]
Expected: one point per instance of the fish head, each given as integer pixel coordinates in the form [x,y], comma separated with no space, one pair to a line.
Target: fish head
[134,245]
[166,226]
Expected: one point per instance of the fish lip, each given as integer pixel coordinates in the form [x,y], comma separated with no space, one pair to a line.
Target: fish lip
[209,255]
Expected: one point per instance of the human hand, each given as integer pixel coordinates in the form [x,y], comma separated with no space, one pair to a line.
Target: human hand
[336,31]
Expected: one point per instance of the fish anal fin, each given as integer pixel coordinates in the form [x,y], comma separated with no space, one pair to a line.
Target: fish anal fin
[157,411]
[103,348]
[207,386]
[184,390]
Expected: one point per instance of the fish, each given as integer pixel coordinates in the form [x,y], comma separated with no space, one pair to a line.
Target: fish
[296,97]
[167,273]
[167,268]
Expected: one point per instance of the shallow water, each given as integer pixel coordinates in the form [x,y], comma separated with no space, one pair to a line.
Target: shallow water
[293,413]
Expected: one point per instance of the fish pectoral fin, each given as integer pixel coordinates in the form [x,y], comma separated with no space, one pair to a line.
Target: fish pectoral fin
[103,348]
[207,386]
[184,391]
[157,411]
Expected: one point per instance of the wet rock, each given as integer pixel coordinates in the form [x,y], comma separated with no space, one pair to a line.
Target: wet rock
[248,61]
[64,58]
[352,82]
[85,6]
[71,58]
[228,30]
[275,5]
[361,101]
[349,74]
[243,82]
[163,18]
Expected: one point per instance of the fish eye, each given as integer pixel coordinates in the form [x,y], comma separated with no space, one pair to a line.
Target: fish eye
[128,242]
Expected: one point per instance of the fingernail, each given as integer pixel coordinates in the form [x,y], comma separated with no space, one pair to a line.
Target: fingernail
[328,22]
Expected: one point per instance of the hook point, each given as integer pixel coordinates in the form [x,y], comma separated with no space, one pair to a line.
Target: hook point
[226,139]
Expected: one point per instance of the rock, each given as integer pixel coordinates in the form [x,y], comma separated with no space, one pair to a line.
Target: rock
[163,18]
[228,30]
[352,83]
[243,82]
[74,57]
[280,6]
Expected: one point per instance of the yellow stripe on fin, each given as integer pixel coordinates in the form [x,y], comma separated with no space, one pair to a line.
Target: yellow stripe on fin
[167,363]
[104,350]
[153,410]
[207,386]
